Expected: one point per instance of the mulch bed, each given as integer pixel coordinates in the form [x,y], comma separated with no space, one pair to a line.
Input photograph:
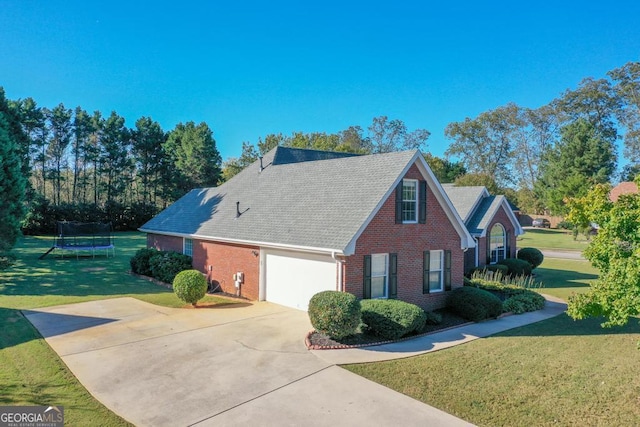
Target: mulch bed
[318,341]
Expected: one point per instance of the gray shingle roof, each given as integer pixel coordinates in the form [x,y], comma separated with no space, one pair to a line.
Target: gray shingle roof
[484,213]
[304,204]
[465,199]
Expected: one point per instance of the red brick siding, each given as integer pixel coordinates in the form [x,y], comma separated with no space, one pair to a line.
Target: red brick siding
[225,259]
[165,243]
[409,241]
[499,218]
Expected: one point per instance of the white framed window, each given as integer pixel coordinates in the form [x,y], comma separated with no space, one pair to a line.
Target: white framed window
[379,275]
[497,244]
[187,248]
[436,268]
[409,201]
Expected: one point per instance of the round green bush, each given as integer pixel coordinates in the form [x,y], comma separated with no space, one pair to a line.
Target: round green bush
[190,286]
[165,265]
[333,313]
[517,267]
[532,255]
[474,304]
[140,261]
[391,318]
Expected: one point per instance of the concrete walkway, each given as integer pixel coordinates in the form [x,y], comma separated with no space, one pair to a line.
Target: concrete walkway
[566,254]
[158,366]
[441,340]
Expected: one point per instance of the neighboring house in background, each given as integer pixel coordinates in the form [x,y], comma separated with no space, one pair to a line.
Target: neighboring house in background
[623,188]
[490,220]
[298,222]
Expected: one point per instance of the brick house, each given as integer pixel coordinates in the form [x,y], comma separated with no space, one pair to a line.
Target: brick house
[492,222]
[297,222]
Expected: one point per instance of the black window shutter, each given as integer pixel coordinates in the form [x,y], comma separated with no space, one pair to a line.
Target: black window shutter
[393,276]
[367,277]
[426,262]
[447,270]
[399,203]
[423,202]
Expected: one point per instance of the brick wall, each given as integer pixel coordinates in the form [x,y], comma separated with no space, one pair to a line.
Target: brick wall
[409,241]
[225,260]
[165,243]
[502,218]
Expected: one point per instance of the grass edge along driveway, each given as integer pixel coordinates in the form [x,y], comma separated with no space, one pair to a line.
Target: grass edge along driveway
[554,372]
[32,373]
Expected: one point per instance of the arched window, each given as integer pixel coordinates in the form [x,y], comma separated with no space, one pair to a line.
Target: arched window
[497,243]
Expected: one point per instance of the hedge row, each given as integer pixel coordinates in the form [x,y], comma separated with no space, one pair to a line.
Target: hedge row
[161,265]
[340,314]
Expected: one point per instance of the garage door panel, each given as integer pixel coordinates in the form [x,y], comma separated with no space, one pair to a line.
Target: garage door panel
[293,278]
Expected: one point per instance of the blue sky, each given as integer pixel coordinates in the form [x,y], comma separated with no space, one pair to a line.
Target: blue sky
[253,68]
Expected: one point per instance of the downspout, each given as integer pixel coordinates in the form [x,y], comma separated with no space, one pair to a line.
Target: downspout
[340,278]
[476,249]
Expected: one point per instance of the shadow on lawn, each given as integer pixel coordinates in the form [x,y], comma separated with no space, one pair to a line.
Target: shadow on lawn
[563,325]
[552,278]
[74,279]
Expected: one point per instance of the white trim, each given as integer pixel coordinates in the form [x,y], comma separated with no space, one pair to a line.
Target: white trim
[184,246]
[498,249]
[466,240]
[441,270]
[517,229]
[386,275]
[415,202]
[309,249]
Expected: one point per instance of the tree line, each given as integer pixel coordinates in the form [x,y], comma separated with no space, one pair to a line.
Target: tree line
[559,150]
[87,166]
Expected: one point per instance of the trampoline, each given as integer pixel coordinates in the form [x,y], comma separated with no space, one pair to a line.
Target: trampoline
[78,237]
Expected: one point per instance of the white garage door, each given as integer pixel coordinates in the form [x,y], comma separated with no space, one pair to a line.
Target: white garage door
[292,278]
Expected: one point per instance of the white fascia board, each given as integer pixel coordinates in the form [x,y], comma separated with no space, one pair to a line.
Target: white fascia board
[466,240]
[518,230]
[309,249]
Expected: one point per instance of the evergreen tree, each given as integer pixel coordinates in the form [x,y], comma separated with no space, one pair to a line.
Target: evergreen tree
[12,185]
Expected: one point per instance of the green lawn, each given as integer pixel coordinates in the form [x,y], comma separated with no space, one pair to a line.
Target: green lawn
[32,373]
[563,277]
[543,238]
[554,372]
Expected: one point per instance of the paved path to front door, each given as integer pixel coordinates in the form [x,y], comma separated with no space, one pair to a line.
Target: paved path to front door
[158,366]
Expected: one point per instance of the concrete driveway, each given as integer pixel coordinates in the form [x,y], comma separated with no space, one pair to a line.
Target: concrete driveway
[158,366]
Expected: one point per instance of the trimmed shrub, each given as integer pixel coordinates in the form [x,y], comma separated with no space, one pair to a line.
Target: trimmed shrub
[517,267]
[532,255]
[391,318]
[190,286]
[524,302]
[140,261]
[333,313]
[433,318]
[474,304]
[165,265]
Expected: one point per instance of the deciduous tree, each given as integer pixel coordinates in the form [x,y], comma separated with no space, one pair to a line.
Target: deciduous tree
[583,157]
[485,144]
[615,251]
